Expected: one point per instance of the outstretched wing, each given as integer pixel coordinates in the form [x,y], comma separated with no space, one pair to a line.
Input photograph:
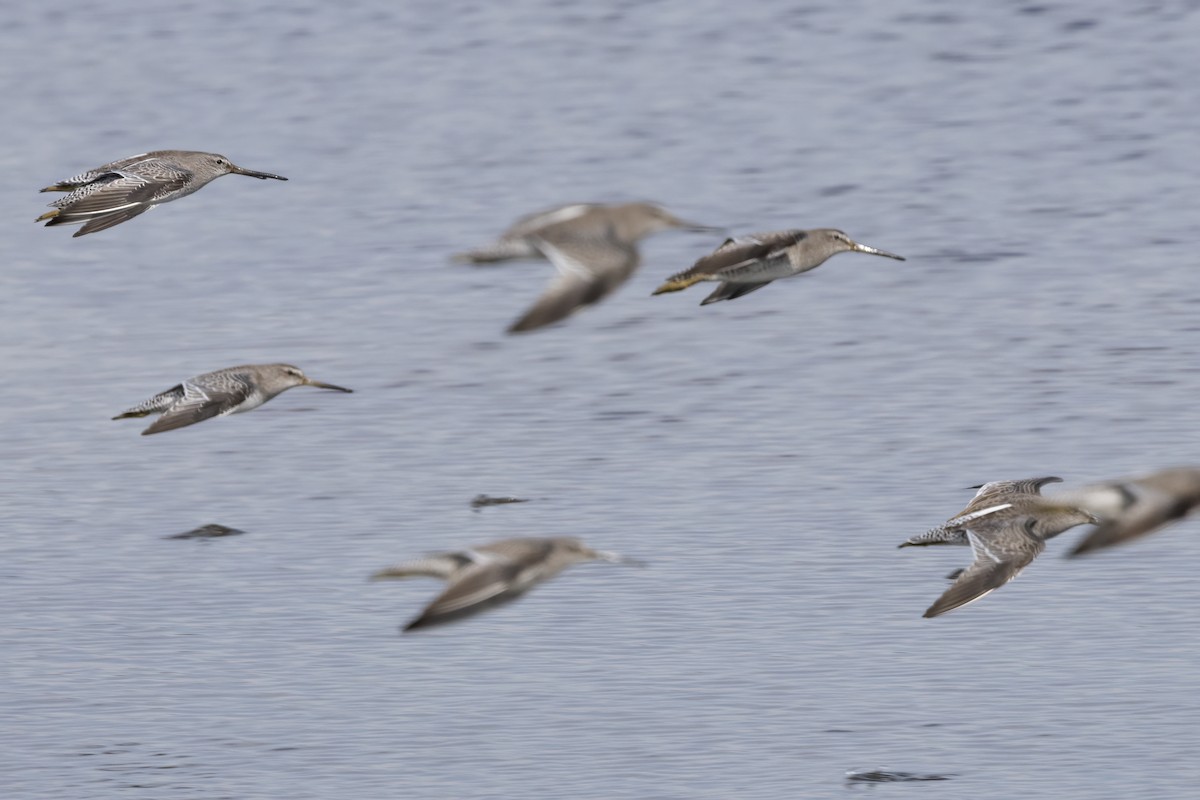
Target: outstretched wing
[589,269]
[1001,551]
[479,586]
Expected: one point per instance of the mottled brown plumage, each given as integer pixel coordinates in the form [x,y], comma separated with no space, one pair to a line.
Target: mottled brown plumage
[121,190]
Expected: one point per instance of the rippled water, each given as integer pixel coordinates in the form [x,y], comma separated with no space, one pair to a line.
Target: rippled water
[1037,165]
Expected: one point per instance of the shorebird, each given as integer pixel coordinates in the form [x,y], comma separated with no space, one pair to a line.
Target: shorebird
[119,191]
[1133,507]
[593,247]
[1006,524]
[746,263]
[219,393]
[1000,499]
[491,574]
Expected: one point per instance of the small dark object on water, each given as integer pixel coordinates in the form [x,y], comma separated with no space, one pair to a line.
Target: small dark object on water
[207,532]
[482,500]
[887,776]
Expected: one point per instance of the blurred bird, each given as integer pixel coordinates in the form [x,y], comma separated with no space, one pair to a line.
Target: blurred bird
[593,247]
[219,393]
[747,263]
[119,191]
[491,574]
[1129,508]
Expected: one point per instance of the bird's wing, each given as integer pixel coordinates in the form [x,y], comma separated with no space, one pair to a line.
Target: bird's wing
[997,497]
[732,291]
[436,565]
[1001,551]
[92,175]
[535,222]
[589,269]
[524,550]
[988,492]
[105,221]
[476,587]
[112,199]
[200,403]
[738,253]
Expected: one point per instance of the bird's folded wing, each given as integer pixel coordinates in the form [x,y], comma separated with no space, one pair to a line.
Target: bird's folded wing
[201,403]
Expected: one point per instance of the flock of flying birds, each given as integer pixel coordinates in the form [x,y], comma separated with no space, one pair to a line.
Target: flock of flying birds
[594,250]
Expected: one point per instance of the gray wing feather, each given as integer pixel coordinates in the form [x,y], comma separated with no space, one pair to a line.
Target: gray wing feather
[1001,551]
[739,252]
[201,403]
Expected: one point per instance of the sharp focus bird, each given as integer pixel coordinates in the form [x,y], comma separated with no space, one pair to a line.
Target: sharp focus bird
[1006,524]
[111,194]
[746,263]
[593,247]
[1129,508]
[490,574]
[226,391]
[999,499]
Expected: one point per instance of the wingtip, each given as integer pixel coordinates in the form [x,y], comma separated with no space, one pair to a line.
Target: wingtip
[524,325]
[419,622]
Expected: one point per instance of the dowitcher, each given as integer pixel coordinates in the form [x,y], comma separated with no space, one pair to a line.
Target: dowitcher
[491,574]
[1132,507]
[593,247]
[1002,547]
[746,263]
[119,191]
[226,391]
[999,499]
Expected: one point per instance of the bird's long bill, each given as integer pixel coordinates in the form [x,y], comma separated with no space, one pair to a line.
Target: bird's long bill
[320,385]
[875,251]
[262,176]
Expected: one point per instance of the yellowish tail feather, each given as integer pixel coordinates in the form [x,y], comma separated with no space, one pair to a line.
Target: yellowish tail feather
[678,283]
[48,215]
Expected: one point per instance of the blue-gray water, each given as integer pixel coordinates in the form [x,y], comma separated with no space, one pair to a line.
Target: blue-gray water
[1036,163]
